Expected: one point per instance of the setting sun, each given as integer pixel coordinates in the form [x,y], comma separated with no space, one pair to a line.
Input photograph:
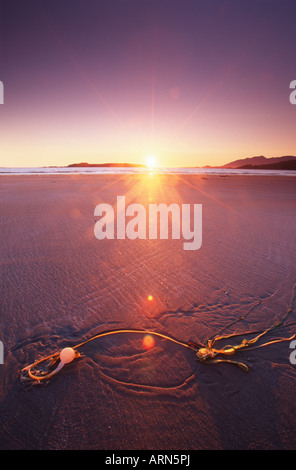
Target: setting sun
[151,161]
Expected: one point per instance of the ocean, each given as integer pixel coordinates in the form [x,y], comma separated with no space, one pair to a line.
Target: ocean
[139,170]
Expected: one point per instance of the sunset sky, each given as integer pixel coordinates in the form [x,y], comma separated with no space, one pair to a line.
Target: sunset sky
[192,82]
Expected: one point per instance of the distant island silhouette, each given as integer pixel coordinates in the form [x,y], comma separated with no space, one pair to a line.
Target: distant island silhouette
[85,164]
[287,162]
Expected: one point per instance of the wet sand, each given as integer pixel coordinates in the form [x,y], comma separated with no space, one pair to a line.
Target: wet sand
[60,285]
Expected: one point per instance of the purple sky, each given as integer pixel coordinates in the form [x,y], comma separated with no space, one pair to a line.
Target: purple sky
[192,82]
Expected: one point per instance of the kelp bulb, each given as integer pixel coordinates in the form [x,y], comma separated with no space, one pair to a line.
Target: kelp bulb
[67,355]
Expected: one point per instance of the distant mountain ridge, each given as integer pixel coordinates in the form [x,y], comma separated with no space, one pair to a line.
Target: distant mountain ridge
[263,162]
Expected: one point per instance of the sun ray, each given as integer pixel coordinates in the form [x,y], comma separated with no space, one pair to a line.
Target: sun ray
[90,82]
[209,94]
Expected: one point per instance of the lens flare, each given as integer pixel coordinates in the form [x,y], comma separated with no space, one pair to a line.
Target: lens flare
[148,342]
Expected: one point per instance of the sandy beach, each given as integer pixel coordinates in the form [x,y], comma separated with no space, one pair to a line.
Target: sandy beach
[61,285]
